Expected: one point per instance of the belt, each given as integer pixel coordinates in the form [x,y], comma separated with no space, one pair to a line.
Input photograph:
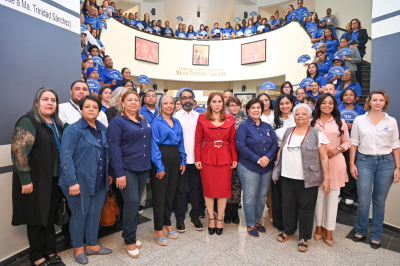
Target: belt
[216,143]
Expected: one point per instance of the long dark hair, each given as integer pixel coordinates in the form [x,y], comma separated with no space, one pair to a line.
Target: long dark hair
[84,9]
[35,107]
[269,98]
[287,83]
[277,112]
[316,73]
[332,36]
[335,112]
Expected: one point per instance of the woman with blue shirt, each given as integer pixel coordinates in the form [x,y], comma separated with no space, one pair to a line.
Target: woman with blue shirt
[257,146]
[129,135]
[202,33]
[104,97]
[227,32]
[323,63]
[336,79]
[314,22]
[313,72]
[263,24]
[84,180]
[180,33]
[332,43]
[288,17]
[156,29]
[250,29]
[191,34]
[237,32]
[349,110]
[215,32]
[314,90]
[169,161]
[349,80]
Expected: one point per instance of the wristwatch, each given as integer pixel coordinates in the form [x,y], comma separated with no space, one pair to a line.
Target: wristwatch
[339,149]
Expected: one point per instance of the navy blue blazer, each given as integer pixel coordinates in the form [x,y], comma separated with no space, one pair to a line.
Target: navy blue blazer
[362,39]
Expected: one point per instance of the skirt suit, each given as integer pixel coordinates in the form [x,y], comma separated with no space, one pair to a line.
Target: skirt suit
[216,160]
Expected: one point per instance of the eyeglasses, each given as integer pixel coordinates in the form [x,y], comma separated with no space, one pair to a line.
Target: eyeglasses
[234,106]
[354,23]
[346,74]
[293,148]
[301,93]
[187,98]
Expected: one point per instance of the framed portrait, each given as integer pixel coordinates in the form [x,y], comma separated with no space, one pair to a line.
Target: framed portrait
[201,55]
[245,97]
[146,50]
[254,52]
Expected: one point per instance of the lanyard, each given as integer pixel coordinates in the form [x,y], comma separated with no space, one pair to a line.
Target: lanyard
[56,135]
[303,138]
[75,107]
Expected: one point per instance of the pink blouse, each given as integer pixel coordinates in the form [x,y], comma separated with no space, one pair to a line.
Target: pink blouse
[337,164]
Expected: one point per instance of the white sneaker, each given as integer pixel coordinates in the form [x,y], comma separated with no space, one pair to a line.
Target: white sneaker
[339,200]
[138,243]
[349,201]
[133,253]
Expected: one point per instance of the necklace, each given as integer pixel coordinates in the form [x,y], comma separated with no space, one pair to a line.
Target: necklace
[303,138]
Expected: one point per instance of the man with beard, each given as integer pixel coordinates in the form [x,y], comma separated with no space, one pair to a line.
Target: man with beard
[188,119]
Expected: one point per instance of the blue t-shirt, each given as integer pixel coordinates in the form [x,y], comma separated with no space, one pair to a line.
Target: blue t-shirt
[217,32]
[191,34]
[344,35]
[321,80]
[350,114]
[124,20]
[312,24]
[273,22]
[266,28]
[103,76]
[309,93]
[320,32]
[178,32]
[236,31]
[202,33]
[299,12]
[324,67]
[250,31]
[228,32]
[356,87]
[258,24]
[331,47]
[168,31]
[93,21]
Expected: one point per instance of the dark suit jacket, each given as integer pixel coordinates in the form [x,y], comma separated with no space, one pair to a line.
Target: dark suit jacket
[362,39]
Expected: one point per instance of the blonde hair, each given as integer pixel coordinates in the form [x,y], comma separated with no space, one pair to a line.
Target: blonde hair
[129,92]
[367,106]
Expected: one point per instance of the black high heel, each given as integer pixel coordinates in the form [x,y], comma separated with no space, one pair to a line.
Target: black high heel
[211,230]
[219,230]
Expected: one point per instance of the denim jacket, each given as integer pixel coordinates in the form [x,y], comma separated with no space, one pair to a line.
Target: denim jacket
[80,152]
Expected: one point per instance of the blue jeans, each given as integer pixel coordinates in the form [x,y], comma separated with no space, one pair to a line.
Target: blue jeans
[85,216]
[255,187]
[135,184]
[375,177]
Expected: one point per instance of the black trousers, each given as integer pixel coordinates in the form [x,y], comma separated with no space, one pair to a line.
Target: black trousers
[42,239]
[359,75]
[349,191]
[276,191]
[298,204]
[163,190]
[193,176]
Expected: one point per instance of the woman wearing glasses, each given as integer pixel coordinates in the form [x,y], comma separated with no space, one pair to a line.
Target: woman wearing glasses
[326,118]
[300,94]
[286,88]
[349,80]
[302,167]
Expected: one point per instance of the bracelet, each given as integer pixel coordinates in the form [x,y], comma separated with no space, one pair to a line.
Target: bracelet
[397,166]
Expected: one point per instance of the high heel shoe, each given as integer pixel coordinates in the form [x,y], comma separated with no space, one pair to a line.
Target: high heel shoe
[219,230]
[318,236]
[211,230]
[328,241]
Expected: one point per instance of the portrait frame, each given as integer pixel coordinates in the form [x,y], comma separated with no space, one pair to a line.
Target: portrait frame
[148,61]
[201,48]
[260,61]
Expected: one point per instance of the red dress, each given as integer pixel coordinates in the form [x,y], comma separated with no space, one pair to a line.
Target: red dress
[216,175]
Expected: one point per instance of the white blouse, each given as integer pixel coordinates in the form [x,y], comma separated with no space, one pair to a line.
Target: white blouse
[281,131]
[268,119]
[375,140]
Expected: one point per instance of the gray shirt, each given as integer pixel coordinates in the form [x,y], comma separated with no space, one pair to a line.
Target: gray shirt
[331,21]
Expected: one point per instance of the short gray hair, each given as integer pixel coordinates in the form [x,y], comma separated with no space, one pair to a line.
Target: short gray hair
[321,45]
[113,102]
[161,102]
[36,112]
[302,105]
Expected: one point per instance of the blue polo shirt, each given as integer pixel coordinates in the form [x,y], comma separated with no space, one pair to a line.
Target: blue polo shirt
[309,93]
[324,67]
[320,32]
[150,116]
[168,31]
[343,35]
[299,12]
[202,33]
[218,32]
[350,114]
[354,37]
[321,80]
[99,42]
[93,21]
[124,20]
[180,32]
[273,22]
[331,47]
[236,31]
[192,34]
[228,32]
[104,78]
[101,164]
[249,31]
[254,142]
[356,87]
[312,24]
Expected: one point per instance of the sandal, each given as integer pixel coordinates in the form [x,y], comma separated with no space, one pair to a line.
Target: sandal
[283,238]
[302,246]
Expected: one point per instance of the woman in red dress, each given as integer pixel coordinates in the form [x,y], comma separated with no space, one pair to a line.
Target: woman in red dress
[217,157]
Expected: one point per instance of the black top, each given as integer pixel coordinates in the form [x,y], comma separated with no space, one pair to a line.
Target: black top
[111,113]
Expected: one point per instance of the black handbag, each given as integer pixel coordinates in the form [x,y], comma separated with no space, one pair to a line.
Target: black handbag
[63,215]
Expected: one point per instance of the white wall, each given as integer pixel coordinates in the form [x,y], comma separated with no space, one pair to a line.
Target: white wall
[226,55]
[346,10]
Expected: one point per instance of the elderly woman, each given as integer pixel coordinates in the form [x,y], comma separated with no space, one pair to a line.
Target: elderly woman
[35,193]
[377,166]
[349,80]
[232,205]
[169,160]
[257,146]
[303,167]
[84,180]
[326,118]
[129,137]
[115,103]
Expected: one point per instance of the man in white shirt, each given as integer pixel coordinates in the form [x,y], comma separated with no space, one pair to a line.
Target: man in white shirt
[69,112]
[188,119]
